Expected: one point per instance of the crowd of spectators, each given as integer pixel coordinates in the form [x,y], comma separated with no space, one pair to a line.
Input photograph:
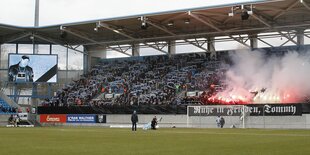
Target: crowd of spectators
[156,80]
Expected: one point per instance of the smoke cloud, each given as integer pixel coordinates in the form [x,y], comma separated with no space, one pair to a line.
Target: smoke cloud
[257,77]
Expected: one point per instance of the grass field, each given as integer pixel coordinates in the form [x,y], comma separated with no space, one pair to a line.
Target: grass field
[95,140]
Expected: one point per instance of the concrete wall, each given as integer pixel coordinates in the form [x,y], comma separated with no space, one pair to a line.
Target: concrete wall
[182,121]
[167,120]
[296,122]
[4,119]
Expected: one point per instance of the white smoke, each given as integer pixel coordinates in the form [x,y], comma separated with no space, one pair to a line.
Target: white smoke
[283,78]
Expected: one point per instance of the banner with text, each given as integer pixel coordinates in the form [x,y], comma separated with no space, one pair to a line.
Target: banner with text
[81,118]
[53,118]
[214,110]
[252,110]
[275,110]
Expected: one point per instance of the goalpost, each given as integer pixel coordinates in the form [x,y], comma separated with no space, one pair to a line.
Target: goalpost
[205,116]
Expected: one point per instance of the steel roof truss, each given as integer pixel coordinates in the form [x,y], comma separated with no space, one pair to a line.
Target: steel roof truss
[116,31]
[245,30]
[285,10]
[57,42]
[157,47]
[14,37]
[216,28]
[85,37]
[272,28]
[287,41]
[128,36]
[265,42]
[173,34]
[173,17]
[305,4]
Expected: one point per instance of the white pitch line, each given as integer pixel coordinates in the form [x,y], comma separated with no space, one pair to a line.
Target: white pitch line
[188,132]
[245,134]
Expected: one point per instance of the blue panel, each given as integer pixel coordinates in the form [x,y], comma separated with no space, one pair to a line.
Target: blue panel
[84,118]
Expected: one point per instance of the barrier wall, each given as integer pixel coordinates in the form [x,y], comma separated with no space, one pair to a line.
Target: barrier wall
[182,121]
[296,122]
[4,119]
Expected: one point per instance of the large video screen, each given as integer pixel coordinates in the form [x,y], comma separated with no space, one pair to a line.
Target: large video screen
[32,68]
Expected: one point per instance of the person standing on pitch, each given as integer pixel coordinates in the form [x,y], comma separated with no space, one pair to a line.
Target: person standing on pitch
[134,120]
[222,122]
[218,123]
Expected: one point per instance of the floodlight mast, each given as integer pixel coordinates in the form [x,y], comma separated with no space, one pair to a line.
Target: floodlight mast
[36,24]
[36,13]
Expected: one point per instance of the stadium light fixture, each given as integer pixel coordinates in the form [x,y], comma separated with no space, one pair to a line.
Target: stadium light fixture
[31,37]
[187,21]
[244,15]
[116,31]
[231,14]
[120,28]
[100,24]
[144,24]
[242,10]
[171,23]
[250,12]
[62,34]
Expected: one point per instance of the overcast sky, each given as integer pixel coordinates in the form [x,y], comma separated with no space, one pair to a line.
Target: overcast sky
[21,12]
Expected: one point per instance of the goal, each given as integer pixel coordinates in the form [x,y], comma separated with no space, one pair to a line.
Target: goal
[205,116]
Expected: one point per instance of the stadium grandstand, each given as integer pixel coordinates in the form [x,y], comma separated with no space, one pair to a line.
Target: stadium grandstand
[167,63]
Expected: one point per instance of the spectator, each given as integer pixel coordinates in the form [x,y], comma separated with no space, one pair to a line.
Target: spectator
[134,120]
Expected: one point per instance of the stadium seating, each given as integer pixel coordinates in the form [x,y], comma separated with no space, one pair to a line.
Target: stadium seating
[152,80]
[149,81]
[6,108]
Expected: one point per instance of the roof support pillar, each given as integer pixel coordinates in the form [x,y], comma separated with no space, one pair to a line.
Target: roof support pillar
[300,37]
[37,13]
[171,47]
[211,46]
[86,66]
[36,24]
[95,54]
[253,41]
[135,49]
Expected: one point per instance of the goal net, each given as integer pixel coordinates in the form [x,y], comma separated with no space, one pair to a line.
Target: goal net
[206,116]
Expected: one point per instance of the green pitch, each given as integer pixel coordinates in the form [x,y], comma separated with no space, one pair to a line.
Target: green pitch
[91,141]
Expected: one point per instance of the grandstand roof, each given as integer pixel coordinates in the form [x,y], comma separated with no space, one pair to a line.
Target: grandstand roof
[267,16]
